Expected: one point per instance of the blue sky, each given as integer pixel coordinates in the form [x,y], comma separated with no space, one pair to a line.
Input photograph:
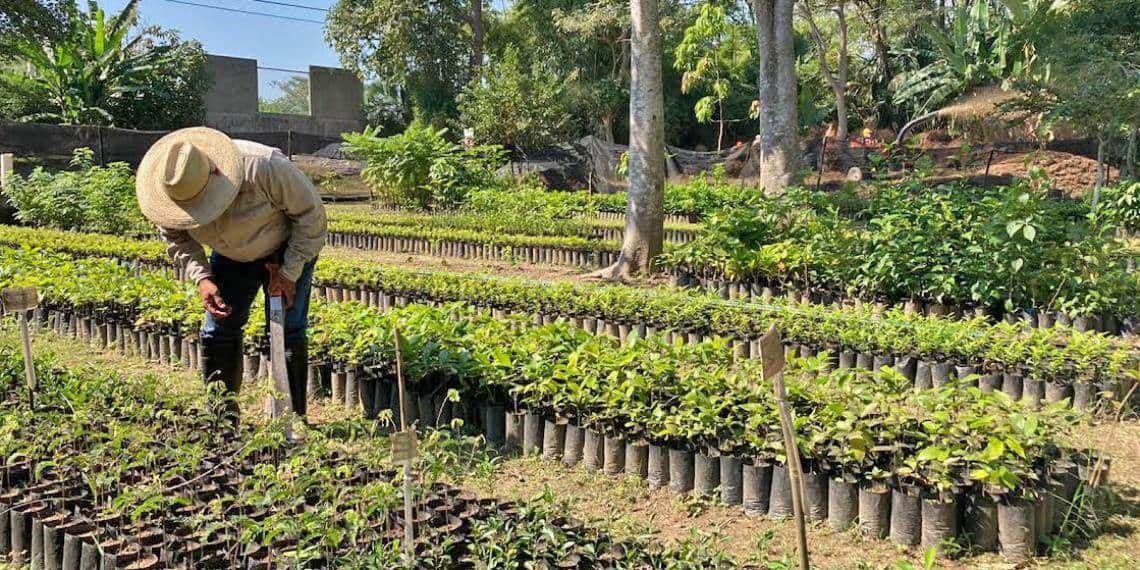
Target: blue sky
[273,42]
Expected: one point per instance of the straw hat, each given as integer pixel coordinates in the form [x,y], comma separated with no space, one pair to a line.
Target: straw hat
[188,178]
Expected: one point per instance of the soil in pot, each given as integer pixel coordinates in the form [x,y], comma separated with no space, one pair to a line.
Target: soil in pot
[637,459]
[495,425]
[815,496]
[780,496]
[842,504]
[981,523]
[572,452]
[875,511]
[940,523]
[1056,391]
[1017,529]
[553,439]
[658,468]
[940,374]
[990,382]
[1084,394]
[906,516]
[706,474]
[614,459]
[922,375]
[1013,384]
[514,429]
[1033,392]
[756,483]
[532,433]
[680,471]
[592,450]
[731,480]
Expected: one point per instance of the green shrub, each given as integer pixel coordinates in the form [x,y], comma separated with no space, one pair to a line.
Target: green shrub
[420,168]
[1120,205]
[89,197]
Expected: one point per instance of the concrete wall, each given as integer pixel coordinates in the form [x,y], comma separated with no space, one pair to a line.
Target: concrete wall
[336,97]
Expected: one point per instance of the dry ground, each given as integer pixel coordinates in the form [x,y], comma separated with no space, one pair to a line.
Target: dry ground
[627,507]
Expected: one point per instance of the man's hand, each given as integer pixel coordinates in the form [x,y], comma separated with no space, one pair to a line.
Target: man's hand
[279,286]
[212,299]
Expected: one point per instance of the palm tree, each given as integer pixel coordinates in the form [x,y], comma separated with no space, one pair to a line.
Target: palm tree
[85,65]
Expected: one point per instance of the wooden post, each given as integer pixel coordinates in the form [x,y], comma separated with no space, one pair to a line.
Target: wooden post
[6,168]
[772,366]
[822,162]
[404,447]
[986,177]
[20,300]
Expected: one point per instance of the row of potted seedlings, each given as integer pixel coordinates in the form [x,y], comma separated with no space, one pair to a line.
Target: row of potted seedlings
[374,390]
[885,499]
[1083,390]
[763,291]
[532,224]
[585,255]
[177,485]
[1049,365]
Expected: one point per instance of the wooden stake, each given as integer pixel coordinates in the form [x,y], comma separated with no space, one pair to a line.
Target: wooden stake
[772,366]
[795,475]
[20,300]
[29,365]
[6,168]
[409,516]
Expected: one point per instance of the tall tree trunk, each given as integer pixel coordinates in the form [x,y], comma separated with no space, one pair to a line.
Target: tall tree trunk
[1101,170]
[720,131]
[779,116]
[476,36]
[644,214]
[837,80]
[608,128]
[1130,160]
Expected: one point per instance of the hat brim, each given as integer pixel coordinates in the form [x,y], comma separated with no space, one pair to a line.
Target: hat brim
[204,208]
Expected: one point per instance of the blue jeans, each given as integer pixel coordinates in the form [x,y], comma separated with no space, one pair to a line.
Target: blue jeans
[238,282]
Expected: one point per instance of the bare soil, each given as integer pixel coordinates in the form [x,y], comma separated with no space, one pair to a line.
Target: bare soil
[1073,174]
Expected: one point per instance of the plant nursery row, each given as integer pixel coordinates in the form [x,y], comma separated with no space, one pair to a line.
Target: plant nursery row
[952,465]
[928,349]
[530,224]
[114,473]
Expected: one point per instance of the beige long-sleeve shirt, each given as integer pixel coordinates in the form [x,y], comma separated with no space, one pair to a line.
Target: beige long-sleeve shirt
[276,204]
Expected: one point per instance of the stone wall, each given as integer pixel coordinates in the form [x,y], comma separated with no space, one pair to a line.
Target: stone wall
[336,98]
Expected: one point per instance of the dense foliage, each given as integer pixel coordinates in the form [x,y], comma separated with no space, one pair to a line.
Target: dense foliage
[514,106]
[88,197]
[1058,354]
[689,395]
[87,68]
[994,248]
[140,453]
[421,169]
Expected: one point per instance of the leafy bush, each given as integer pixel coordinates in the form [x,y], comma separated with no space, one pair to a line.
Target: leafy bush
[90,197]
[87,68]
[1120,206]
[1000,249]
[420,168]
[513,105]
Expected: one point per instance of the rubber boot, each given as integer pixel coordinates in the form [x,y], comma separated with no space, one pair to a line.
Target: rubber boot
[297,367]
[222,363]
